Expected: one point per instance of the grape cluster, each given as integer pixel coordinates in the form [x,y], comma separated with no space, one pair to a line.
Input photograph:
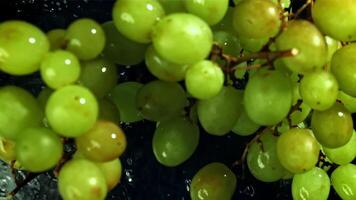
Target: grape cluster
[300,67]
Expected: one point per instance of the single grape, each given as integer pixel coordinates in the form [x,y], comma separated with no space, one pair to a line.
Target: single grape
[252,44]
[332,46]
[158,100]
[244,125]
[162,68]
[19,110]
[119,49]
[344,154]
[298,150]
[108,111]
[225,23]
[204,79]
[174,141]
[56,38]
[85,38]
[43,97]
[60,68]
[182,38]
[313,184]
[240,70]
[172,6]
[22,47]
[38,149]
[99,76]
[124,97]
[213,181]
[72,110]
[135,19]
[7,150]
[268,97]
[333,127]
[104,142]
[81,179]
[230,44]
[112,171]
[343,179]
[204,9]
[348,101]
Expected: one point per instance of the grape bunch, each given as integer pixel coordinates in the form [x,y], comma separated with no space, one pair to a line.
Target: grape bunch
[251,67]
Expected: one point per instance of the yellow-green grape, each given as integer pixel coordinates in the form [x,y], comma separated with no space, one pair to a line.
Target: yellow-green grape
[219,114]
[240,70]
[230,43]
[204,9]
[85,38]
[72,110]
[80,179]
[244,125]
[204,79]
[348,101]
[283,3]
[213,181]
[332,46]
[7,150]
[319,90]
[56,38]
[162,68]
[44,96]
[22,47]
[256,19]
[299,115]
[308,43]
[175,41]
[313,184]
[172,6]
[99,76]
[268,97]
[333,127]
[124,97]
[119,49]
[262,159]
[252,44]
[104,142]
[343,66]
[225,23]
[108,111]
[159,100]
[112,171]
[298,150]
[343,179]
[344,154]
[59,68]
[38,149]
[174,141]
[135,19]
[341,26]
[19,110]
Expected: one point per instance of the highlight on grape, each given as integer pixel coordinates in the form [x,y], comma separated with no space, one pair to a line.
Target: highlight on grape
[246,67]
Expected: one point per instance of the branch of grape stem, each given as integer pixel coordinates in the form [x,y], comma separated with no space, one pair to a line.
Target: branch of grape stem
[301,9]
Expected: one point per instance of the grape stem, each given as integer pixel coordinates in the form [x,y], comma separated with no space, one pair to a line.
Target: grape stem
[295,107]
[301,9]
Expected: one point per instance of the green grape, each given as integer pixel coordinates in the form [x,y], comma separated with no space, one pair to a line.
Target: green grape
[56,38]
[343,179]
[268,97]
[313,184]
[219,114]
[333,127]
[119,49]
[204,79]
[193,113]
[244,125]
[225,23]
[38,149]
[85,38]
[256,19]
[348,101]
[124,97]
[104,142]
[309,44]
[252,44]
[135,19]
[298,150]
[60,68]
[44,96]
[99,76]
[262,159]
[160,100]
[162,68]
[213,181]
[319,90]
[22,47]
[19,110]
[341,25]
[108,111]
[7,150]
[343,66]
[299,115]
[72,110]
[112,171]
[344,154]
[182,38]
[284,3]
[81,179]
[204,9]
[230,44]
[332,46]
[172,6]
[240,70]
[174,141]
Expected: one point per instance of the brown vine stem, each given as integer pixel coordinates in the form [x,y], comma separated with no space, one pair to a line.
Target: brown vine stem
[301,9]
